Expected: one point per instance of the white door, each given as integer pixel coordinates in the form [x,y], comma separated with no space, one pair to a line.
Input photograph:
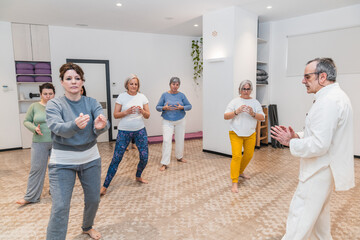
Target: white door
[95,86]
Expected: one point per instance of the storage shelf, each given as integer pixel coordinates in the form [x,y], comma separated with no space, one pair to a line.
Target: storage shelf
[20,83]
[261,62]
[33,74]
[260,40]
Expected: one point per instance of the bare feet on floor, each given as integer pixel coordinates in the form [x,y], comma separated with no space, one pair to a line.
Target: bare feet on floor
[103,191]
[93,234]
[182,160]
[234,187]
[163,168]
[22,202]
[244,176]
[141,180]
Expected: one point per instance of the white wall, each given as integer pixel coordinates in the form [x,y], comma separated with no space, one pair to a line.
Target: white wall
[9,120]
[235,42]
[287,92]
[154,58]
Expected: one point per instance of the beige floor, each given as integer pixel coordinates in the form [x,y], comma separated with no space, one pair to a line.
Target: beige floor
[189,201]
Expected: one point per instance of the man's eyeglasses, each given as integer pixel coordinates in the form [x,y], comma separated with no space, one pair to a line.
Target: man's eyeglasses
[246,89]
[307,76]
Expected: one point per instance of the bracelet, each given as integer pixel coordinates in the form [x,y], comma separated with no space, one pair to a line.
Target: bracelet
[235,112]
[254,115]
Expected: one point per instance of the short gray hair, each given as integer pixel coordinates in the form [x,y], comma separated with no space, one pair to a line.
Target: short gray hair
[174,80]
[132,76]
[243,83]
[325,65]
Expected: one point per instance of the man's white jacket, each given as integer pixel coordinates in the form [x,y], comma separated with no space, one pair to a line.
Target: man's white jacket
[327,139]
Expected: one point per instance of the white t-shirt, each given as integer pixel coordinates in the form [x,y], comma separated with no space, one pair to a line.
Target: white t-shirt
[131,122]
[243,124]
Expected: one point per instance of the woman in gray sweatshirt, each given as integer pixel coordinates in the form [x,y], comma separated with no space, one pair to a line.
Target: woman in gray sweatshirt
[75,122]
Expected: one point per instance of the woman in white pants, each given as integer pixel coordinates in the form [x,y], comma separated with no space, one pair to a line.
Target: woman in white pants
[173,105]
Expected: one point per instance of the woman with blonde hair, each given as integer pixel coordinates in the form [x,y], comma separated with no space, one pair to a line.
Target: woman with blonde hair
[131,108]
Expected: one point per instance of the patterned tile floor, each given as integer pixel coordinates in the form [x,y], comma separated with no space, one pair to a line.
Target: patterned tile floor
[188,201]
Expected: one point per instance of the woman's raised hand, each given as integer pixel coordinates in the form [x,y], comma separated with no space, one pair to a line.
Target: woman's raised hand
[38,130]
[82,120]
[100,122]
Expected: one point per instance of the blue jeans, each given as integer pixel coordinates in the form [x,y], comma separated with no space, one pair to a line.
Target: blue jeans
[62,180]
[122,141]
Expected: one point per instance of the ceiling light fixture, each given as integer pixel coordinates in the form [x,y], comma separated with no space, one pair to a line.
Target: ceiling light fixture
[196,25]
[119,4]
[269,7]
[82,25]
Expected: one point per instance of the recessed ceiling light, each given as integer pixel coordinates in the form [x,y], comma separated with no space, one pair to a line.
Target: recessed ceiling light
[119,4]
[269,7]
[196,25]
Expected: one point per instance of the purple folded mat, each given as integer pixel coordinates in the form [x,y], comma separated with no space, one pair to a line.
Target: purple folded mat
[24,66]
[42,71]
[42,66]
[42,79]
[25,78]
[24,71]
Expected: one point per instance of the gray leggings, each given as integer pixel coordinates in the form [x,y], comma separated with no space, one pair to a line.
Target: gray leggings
[40,153]
[62,180]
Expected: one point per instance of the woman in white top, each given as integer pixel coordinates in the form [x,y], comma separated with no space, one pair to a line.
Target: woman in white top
[131,108]
[243,113]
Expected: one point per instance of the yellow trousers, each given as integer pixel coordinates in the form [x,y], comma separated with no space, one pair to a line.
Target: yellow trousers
[240,161]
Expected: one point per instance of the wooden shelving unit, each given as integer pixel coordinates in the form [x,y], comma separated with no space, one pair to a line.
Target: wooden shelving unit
[262,130]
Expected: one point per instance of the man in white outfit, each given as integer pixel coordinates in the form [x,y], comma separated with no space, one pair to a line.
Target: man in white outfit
[326,151]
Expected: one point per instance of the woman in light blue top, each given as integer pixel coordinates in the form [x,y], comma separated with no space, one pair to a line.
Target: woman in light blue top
[173,105]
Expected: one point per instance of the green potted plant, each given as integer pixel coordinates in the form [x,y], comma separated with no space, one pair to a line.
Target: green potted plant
[196,54]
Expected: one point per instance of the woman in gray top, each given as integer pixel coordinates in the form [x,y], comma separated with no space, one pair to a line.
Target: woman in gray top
[75,122]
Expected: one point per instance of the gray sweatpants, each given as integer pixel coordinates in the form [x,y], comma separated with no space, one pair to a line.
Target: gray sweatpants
[62,180]
[40,153]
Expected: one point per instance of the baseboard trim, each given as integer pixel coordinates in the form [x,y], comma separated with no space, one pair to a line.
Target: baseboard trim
[217,153]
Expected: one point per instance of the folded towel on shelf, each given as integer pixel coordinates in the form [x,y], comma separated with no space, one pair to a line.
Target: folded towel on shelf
[261,72]
[261,78]
[25,78]
[24,71]
[24,66]
[42,66]
[42,71]
[42,79]
[262,82]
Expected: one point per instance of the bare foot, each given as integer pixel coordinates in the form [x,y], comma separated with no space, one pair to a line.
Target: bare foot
[182,160]
[244,176]
[234,187]
[163,168]
[22,202]
[141,180]
[103,191]
[93,234]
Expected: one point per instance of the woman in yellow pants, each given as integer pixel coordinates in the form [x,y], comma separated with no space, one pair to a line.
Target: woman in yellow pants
[243,113]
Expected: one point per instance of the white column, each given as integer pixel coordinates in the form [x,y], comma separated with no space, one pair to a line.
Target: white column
[229,53]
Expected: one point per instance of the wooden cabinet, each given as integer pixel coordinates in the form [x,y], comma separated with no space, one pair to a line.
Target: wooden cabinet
[262,130]
[31,42]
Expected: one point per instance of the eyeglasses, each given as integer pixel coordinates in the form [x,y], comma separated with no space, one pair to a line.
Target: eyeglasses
[246,89]
[307,76]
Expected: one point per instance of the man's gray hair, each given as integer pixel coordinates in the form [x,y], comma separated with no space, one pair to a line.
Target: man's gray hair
[325,65]
[243,83]
[174,80]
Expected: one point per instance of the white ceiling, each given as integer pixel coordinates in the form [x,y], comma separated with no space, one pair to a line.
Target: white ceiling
[154,16]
